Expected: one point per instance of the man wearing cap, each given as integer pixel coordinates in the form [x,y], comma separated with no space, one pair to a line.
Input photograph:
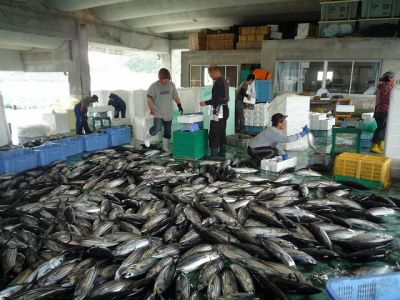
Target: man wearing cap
[265,145]
[80,110]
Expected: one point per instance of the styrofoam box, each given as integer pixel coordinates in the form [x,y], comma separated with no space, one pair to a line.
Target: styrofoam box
[140,128]
[344,108]
[276,35]
[277,166]
[297,145]
[190,118]
[58,122]
[249,101]
[327,124]
[367,115]
[314,124]
[318,116]
[121,121]
[273,28]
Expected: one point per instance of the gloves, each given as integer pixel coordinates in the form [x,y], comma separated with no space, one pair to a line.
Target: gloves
[285,156]
[180,108]
[305,131]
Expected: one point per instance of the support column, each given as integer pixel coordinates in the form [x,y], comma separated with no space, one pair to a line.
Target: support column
[79,74]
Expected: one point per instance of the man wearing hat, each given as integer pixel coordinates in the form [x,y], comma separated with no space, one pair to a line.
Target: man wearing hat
[265,145]
[80,110]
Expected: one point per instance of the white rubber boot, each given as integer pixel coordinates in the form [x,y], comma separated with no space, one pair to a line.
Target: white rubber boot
[147,139]
[165,145]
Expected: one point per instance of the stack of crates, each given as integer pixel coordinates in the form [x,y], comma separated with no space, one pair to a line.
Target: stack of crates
[370,170]
[17,160]
[263,91]
[190,145]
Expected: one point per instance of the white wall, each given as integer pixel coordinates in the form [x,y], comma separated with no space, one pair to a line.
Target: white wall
[10,60]
[4,132]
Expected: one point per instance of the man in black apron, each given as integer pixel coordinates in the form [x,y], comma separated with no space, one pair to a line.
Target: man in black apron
[220,113]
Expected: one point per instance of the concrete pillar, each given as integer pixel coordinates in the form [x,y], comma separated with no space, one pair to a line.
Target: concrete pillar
[166,61]
[79,74]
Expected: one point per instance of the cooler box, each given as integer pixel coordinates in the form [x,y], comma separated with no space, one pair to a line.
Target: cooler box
[48,153]
[95,141]
[276,166]
[190,145]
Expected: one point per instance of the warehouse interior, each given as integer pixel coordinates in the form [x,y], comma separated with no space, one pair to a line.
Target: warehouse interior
[269,171]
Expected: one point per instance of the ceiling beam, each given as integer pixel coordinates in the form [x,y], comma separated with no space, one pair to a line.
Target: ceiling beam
[74,5]
[143,8]
[234,11]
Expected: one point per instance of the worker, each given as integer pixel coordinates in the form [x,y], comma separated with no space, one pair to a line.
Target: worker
[118,104]
[159,100]
[266,144]
[219,112]
[241,93]
[80,110]
[383,93]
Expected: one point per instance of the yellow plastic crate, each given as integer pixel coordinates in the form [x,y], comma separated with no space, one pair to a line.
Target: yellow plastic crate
[367,168]
[376,168]
[347,164]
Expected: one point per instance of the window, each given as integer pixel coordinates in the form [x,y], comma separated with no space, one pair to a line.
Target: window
[199,75]
[342,77]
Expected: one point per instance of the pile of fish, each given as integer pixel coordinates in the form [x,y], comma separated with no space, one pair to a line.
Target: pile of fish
[118,225]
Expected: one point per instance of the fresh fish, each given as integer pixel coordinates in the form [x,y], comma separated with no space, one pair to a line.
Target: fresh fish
[284,177]
[311,143]
[214,287]
[245,170]
[228,281]
[86,283]
[243,277]
[195,261]
[182,287]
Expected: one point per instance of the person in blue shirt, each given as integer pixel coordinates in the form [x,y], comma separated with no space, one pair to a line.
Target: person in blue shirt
[118,104]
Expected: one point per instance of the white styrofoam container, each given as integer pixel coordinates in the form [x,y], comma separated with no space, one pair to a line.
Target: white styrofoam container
[314,124]
[121,121]
[297,145]
[277,166]
[249,101]
[190,119]
[273,28]
[58,122]
[327,124]
[367,115]
[344,108]
[140,128]
[276,35]
[392,136]
[318,116]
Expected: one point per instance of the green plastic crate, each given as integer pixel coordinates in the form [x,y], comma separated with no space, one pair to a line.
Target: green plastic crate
[190,145]
[372,184]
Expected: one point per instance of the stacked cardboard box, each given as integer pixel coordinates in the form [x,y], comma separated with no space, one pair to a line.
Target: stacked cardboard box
[251,37]
[197,41]
[220,41]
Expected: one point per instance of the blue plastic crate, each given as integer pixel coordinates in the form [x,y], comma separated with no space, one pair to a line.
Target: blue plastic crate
[253,129]
[365,143]
[263,91]
[72,145]
[374,287]
[7,163]
[119,135]
[48,153]
[95,141]
[24,161]
[191,126]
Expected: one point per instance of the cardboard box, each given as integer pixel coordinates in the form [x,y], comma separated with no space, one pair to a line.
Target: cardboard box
[197,41]
[247,30]
[262,30]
